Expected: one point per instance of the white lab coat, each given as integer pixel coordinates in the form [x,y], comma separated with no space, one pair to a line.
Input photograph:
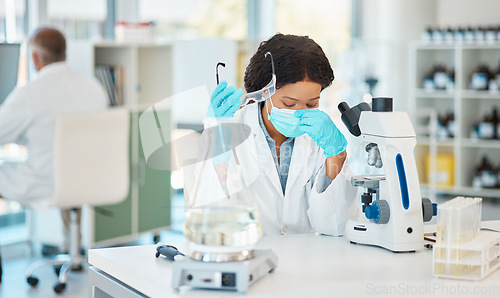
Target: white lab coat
[28,117]
[304,208]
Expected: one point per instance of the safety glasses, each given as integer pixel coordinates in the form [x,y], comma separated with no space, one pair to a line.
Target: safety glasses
[259,95]
[264,93]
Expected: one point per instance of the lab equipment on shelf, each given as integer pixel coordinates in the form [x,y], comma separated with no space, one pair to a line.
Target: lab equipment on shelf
[392,211]
[461,35]
[485,175]
[462,249]
[488,127]
[445,125]
[480,77]
[439,77]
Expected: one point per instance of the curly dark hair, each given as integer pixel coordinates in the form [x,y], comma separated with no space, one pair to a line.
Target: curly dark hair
[296,58]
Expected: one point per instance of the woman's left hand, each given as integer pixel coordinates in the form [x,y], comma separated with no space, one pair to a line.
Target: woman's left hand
[320,127]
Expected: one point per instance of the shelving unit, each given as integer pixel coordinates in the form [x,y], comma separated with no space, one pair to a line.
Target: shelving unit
[468,107]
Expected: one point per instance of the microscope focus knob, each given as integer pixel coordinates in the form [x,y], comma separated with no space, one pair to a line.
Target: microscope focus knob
[378,211]
[428,209]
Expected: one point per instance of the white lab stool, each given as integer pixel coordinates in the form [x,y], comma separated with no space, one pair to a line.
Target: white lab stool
[184,156]
[91,167]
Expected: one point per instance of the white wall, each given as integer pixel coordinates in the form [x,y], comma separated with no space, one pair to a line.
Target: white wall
[191,70]
[464,12]
[127,10]
[388,27]
[77,9]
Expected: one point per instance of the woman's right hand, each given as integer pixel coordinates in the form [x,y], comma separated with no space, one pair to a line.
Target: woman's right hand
[225,101]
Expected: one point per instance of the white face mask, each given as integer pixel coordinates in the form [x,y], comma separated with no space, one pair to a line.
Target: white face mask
[284,121]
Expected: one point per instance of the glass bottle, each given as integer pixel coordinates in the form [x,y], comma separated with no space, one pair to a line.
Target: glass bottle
[496,78]
[441,77]
[469,35]
[497,136]
[450,85]
[494,121]
[474,131]
[476,178]
[488,174]
[490,35]
[459,35]
[442,126]
[451,124]
[429,82]
[479,35]
[426,35]
[485,129]
[498,176]
[480,78]
[449,35]
[437,35]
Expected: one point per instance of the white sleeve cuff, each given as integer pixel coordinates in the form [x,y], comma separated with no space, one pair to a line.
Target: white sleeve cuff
[323,181]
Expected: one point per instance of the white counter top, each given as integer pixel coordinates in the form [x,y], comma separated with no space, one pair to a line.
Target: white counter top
[308,266]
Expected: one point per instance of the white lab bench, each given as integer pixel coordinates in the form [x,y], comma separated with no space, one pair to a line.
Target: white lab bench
[309,266]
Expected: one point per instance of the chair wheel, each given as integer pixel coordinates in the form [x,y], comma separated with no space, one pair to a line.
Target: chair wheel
[33,281]
[57,269]
[59,288]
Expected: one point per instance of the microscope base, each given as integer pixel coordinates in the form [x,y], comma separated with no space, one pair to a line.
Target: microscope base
[377,235]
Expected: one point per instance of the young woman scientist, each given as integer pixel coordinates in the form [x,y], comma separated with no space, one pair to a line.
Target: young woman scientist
[295,156]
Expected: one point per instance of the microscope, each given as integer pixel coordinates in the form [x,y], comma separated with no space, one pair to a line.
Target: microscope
[392,210]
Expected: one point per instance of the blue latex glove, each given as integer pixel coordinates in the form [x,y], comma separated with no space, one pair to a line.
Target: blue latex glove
[318,125]
[224,102]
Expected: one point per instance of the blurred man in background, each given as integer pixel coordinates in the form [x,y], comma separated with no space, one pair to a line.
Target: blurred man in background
[29,114]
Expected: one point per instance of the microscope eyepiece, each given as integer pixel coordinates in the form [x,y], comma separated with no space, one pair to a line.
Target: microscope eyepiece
[382,104]
[350,116]
[343,106]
